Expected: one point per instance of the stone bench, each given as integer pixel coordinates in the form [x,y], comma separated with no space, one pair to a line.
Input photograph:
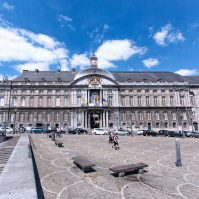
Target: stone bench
[59,143]
[83,163]
[121,169]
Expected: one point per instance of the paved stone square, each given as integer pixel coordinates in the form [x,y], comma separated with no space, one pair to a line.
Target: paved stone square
[61,179]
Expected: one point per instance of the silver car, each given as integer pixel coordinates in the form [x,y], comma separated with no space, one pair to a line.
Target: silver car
[121,132]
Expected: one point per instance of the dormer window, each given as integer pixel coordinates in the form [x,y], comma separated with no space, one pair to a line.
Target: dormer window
[43,79]
[144,80]
[59,79]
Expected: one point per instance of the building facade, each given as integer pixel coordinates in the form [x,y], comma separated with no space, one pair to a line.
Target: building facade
[94,97]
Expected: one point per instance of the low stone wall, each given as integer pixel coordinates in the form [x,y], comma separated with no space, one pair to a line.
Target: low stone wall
[17,179]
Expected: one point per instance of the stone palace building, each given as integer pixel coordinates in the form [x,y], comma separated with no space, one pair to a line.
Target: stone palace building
[94,97]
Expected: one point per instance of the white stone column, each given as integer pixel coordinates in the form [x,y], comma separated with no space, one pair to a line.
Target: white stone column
[103,118]
[107,124]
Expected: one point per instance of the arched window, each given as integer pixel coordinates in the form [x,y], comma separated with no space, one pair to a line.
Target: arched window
[30,117]
[40,116]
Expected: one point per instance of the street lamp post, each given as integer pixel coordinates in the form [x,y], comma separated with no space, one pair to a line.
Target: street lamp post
[132,134]
[181,117]
[15,112]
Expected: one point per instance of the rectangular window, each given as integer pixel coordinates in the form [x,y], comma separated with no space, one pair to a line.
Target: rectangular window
[123,116]
[49,101]
[157,116]
[165,116]
[132,116]
[148,116]
[14,101]
[66,101]
[140,115]
[1,117]
[171,101]
[163,101]
[40,101]
[30,117]
[57,117]
[79,100]
[182,100]
[23,101]
[131,101]
[184,116]
[193,115]
[31,101]
[173,116]
[139,101]
[110,100]
[123,101]
[21,117]
[2,101]
[155,101]
[66,117]
[57,101]
[147,101]
[48,117]
[192,100]
[40,116]
[157,125]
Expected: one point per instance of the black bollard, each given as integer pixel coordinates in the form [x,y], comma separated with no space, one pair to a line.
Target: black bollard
[178,153]
[53,136]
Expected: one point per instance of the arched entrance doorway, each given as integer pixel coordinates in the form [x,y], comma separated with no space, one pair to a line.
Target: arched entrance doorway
[95,119]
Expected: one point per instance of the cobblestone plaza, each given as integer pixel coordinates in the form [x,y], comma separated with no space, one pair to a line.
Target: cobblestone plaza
[60,178]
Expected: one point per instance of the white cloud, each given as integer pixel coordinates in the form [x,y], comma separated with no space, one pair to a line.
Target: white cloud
[167,34]
[63,18]
[19,45]
[109,52]
[187,72]
[8,6]
[81,60]
[150,62]
[64,65]
[116,50]
[42,66]
[97,35]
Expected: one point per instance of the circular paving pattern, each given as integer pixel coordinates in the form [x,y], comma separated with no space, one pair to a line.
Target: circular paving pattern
[61,179]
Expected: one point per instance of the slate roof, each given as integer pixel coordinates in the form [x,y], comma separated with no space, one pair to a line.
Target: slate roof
[192,79]
[119,76]
[47,76]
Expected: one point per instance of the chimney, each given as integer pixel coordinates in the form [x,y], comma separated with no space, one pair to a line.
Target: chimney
[25,71]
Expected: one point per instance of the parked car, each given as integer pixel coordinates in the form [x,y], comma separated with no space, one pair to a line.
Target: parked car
[28,129]
[80,130]
[184,133]
[76,131]
[7,130]
[140,132]
[150,133]
[99,131]
[193,134]
[39,130]
[163,132]
[174,134]
[121,132]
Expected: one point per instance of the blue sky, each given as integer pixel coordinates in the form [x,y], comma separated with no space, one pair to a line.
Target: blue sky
[130,35]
